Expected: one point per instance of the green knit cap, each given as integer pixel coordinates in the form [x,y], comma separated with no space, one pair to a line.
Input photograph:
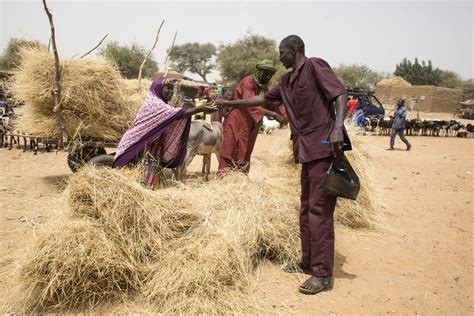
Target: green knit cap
[266,64]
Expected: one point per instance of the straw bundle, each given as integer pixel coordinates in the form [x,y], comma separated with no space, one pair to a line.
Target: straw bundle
[211,269]
[95,102]
[137,219]
[133,94]
[207,272]
[210,273]
[73,263]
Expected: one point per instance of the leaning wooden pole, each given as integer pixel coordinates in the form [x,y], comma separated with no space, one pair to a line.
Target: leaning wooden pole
[57,74]
[169,52]
[147,56]
[95,47]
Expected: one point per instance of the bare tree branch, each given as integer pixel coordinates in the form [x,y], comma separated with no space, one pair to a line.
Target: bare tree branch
[147,56]
[49,45]
[169,52]
[57,74]
[95,47]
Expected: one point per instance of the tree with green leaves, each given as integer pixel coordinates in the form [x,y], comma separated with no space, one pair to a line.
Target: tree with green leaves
[450,79]
[11,58]
[418,74]
[193,57]
[237,60]
[358,76]
[468,89]
[129,59]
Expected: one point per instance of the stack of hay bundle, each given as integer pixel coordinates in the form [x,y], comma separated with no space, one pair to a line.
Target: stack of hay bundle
[183,249]
[95,101]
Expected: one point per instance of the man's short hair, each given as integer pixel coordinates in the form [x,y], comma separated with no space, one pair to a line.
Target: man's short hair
[294,41]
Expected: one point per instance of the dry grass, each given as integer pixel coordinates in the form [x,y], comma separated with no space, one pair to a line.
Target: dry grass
[188,249]
[95,101]
[137,219]
[364,212]
[360,214]
[185,249]
[74,263]
[211,269]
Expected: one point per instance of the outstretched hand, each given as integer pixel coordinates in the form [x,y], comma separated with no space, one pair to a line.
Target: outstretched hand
[209,107]
[220,103]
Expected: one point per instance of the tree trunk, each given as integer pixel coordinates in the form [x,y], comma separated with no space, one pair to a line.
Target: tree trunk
[57,75]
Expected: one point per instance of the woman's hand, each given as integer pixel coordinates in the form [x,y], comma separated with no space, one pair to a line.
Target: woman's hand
[208,108]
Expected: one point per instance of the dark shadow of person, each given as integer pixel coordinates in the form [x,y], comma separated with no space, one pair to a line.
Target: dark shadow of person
[59,182]
[338,272]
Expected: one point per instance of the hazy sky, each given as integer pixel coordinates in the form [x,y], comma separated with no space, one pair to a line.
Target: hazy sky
[376,33]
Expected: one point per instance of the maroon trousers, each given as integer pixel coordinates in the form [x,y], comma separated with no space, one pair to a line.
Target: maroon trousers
[316,219]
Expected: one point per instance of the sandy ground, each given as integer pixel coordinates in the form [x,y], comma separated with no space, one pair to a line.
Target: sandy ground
[420,261]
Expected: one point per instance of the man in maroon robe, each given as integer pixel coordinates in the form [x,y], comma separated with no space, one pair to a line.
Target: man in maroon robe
[241,125]
[315,102]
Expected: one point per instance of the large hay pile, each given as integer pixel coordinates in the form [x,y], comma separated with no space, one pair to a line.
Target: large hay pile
[184,249]
[95,101]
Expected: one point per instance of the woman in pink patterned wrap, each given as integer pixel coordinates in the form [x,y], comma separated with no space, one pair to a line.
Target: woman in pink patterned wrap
[159,129]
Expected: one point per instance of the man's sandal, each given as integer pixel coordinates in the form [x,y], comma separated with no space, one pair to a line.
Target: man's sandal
[315,285]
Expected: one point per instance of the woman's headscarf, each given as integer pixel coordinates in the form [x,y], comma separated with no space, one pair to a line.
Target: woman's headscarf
[158,85]
[158,126]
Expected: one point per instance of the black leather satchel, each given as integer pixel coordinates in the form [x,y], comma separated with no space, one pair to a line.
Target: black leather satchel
[341,179]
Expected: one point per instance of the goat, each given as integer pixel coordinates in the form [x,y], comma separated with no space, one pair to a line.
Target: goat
[269,126]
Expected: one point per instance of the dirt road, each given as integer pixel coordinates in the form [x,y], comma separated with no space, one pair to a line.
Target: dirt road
[420,261]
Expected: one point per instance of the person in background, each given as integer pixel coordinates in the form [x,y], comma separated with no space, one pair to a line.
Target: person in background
[359,114]
[241,125]
[159,130]
[202,97]
[398,125]
[351,106]
[218,89]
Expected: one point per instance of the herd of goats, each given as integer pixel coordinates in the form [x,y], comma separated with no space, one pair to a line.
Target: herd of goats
[381,125]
